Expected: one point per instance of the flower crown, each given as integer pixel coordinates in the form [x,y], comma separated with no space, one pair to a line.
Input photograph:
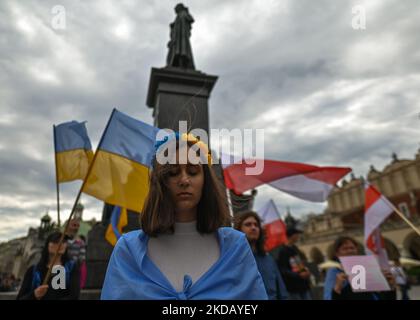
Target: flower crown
[189,138]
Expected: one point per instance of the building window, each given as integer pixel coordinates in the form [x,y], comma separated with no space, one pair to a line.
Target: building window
[404,209]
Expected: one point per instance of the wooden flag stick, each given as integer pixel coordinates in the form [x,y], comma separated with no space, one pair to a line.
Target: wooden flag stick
[47,276]
[229,203]
[405,219]
[56,180]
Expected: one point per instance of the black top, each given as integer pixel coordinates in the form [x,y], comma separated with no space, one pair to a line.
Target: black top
[289,260]
[71,292]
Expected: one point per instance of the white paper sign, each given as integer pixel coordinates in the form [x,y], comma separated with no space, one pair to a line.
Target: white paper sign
[364,274]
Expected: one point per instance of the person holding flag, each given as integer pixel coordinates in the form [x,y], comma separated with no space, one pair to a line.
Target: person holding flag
[73,156]
[32,287]
[337,286]
[184,249]
[250,223]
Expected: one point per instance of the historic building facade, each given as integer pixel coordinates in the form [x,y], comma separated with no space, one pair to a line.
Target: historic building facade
[399,181]
[18,254]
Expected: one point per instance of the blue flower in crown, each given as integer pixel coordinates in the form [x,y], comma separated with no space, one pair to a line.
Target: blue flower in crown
[166,139]
[186,137]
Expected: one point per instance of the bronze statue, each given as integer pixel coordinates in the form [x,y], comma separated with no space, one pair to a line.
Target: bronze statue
[180,52]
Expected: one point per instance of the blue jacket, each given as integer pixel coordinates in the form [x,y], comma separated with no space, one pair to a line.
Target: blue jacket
[131,274]
[274,284]
[330,282]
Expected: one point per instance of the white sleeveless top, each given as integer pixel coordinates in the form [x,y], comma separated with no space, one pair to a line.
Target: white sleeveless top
[184,252]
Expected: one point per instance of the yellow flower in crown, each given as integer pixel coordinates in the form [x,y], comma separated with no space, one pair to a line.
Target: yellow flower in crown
[203,146]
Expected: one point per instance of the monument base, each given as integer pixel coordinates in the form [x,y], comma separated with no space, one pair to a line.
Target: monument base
[99,251]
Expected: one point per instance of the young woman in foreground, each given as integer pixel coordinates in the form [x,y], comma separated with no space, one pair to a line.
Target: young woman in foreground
[184,251]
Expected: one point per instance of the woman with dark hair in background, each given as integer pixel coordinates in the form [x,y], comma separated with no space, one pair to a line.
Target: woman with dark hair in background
[183,251]
[32,287]
[337,286]
[250,223]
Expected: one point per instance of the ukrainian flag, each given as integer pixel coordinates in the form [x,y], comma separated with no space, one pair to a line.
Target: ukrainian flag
[73,151]
[119,220]
[119,174]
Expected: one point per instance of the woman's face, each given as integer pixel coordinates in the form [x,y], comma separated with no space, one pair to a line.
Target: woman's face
[52,248]
[251,229]
[348,248]
[185,184]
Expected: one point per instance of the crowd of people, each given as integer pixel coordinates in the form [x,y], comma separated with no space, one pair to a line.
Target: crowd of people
[290,278]
[284,278]
[187,249]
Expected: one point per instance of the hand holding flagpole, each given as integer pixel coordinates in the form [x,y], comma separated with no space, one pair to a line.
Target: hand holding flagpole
[56,178]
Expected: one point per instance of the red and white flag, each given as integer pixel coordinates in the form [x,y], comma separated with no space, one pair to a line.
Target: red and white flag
[375,245]
[377,209]
[307,182]
[275,228]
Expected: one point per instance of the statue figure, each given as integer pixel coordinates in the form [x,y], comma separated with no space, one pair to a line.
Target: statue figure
[180,52]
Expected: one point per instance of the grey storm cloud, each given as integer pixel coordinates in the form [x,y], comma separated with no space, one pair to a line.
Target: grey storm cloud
[325,94]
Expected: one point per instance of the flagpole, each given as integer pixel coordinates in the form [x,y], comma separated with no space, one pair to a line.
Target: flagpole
[229,202]
[227,190]
[56,178]
[405,218]
[47,276]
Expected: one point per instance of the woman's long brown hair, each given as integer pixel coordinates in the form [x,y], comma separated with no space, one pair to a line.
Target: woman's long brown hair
[158,215]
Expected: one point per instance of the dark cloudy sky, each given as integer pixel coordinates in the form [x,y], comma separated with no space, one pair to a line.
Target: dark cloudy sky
[325,93]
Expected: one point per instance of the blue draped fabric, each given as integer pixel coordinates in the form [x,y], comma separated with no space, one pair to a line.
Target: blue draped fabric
[132,275]
[330,282]
[273,281]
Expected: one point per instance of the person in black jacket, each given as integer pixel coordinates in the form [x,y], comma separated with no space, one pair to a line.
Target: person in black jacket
[32,288]
[295,274]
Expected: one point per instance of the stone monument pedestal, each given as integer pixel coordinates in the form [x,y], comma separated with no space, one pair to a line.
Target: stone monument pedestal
[99,250]
[177,94]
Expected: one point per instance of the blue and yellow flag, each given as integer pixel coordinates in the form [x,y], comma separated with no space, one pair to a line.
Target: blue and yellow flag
[119,220]
[73,151]
[120,170]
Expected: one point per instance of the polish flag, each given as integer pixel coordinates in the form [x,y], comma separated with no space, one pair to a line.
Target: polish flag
[375,245]
[301,180]
[377,209]
[275,228]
